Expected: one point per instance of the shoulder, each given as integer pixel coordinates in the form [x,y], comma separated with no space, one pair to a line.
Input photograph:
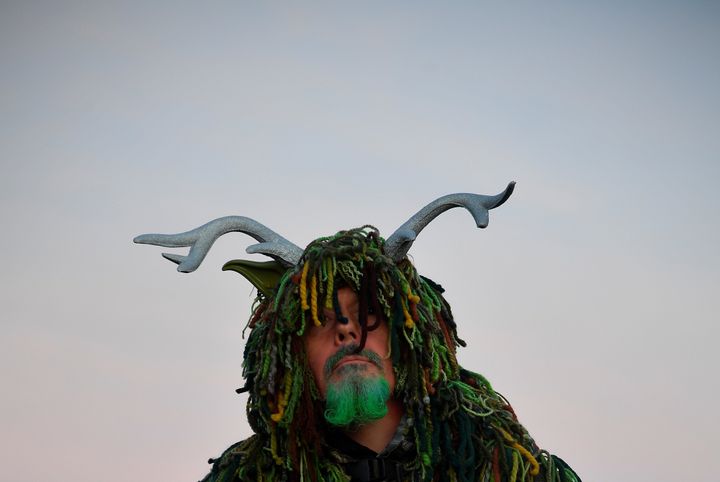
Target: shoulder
[230,466]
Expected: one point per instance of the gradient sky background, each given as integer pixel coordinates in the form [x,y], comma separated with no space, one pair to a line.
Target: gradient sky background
[591,301]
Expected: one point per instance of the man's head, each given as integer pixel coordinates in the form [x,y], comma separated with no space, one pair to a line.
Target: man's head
[344,322]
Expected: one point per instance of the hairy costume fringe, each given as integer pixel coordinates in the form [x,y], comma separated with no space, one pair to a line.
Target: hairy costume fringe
[462,429]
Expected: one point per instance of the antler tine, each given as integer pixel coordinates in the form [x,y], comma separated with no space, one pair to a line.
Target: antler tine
[399,243]
[202,238]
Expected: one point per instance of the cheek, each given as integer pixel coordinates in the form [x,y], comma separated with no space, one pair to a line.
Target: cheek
[390,375]
[378,341]
[322,388]
[316,361]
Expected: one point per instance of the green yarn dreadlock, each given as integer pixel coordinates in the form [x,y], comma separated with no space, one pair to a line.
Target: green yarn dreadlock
[461,428]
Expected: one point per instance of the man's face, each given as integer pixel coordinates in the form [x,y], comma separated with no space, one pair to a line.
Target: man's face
[322,343]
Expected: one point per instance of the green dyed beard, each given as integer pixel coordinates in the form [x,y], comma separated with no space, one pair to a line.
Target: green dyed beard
[356,399]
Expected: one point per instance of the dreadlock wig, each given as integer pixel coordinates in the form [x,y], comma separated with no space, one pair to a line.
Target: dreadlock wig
[457,427]
[462,430]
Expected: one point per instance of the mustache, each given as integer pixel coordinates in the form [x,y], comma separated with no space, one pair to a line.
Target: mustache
[348,350]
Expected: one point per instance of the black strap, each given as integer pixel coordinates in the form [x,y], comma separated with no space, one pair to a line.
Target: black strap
[374,470]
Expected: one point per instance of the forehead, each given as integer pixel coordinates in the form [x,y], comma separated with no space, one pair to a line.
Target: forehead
[347,297]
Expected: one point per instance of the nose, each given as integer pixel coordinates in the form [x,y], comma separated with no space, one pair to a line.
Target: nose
[347,333]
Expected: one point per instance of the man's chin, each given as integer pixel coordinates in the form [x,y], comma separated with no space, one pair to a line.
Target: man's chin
[356,399]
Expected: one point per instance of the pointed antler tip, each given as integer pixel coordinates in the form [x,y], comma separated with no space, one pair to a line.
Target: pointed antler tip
[504,196]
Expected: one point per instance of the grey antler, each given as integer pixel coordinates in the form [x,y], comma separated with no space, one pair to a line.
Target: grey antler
[398,244]
[201,239]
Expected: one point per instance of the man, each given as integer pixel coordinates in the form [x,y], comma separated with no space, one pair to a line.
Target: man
[351,370]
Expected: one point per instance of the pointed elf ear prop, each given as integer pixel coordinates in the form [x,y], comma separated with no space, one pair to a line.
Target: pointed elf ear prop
[285,254]
[264,275]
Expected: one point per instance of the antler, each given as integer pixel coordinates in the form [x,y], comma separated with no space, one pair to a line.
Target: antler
[398,244]
[201,239]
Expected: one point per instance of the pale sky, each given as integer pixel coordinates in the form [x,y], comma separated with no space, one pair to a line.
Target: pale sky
[590,301]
